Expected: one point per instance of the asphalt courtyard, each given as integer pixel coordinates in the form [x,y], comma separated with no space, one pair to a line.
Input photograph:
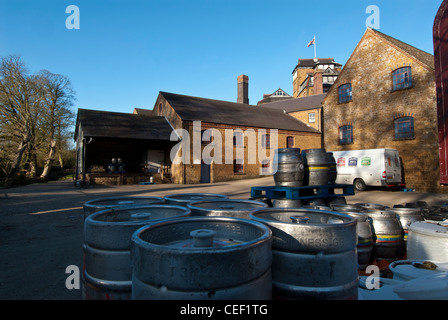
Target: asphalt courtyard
[41,228]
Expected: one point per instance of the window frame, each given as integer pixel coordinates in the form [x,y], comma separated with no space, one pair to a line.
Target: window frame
[348,93]
[400,80]
[288,138]
[266,140]
[344,134]
[404,128]
[266,166]
[238,139]
[311,117]
[206,142]
[238,166]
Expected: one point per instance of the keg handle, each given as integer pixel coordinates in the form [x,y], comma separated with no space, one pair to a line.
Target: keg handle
[202,238]
[140,215]
[196,198]
[225,206]
[299,219]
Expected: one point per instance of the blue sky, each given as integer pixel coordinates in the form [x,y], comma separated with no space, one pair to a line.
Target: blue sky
[125,52]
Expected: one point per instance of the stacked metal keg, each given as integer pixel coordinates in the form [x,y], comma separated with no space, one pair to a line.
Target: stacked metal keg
[107,271]
[202,258]
[313,253]
[189,246]
[309,167]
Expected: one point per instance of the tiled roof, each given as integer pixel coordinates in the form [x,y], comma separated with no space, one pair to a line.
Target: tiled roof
[297,104]
[106,124]
[191,108]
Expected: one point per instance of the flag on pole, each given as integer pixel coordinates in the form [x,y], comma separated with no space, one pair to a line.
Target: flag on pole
[312,42]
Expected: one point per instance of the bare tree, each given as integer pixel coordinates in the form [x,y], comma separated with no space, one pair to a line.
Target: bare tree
[56,114]
[20,99]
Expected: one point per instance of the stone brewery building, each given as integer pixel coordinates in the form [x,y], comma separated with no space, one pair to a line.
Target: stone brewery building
[218,116]
[385,97]
[145,140]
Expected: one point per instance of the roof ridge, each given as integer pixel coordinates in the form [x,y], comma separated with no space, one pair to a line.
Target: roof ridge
[397,44]
[209,99]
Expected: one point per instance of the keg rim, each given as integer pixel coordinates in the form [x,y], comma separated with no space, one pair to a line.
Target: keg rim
[137,240]
[91,219]
[193,205]
[93,203]
[350,220]
[171,197]
[406,211]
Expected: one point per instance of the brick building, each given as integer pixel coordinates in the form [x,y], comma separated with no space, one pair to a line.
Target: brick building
[314,76]
[277,96]
[385,97]
[247,131]
[306,109]
[215,140]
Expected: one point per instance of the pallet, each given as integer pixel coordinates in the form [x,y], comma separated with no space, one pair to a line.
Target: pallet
[305,192]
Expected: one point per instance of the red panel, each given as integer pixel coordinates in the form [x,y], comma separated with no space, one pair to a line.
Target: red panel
[440,35]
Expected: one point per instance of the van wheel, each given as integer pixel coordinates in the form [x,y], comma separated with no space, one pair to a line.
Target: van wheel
[359,185]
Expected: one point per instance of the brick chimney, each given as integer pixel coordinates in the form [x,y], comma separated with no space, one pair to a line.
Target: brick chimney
[243,89]
[318,83]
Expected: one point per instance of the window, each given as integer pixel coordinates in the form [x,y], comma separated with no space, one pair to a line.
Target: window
[238,166]
[266,141]
[402,78]
[312,117]
[345,93]
[290,142]
[238,139]
[404,128]
[207,136]
[346,134]
[265,164]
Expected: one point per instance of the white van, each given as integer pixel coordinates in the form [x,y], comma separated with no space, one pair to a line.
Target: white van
[369,167]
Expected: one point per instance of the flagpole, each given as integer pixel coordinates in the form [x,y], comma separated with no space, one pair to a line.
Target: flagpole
[315,56]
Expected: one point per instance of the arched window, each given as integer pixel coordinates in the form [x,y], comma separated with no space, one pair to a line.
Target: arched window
[346,134]
[402,78]
[345,93]
[404,128]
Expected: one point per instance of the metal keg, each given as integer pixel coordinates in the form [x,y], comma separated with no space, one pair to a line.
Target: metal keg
[316,202]
[346,207]
[309,206]
[263,199]
[225,208]
[371,206]
[186,198]
[107,239]
[290,168]
[317,167]
[287,203]
[335,200]
[202,258]
[407,216]
[314,253]
[363,231]
[387,234]
[333,174]
[365,238]
[100,204]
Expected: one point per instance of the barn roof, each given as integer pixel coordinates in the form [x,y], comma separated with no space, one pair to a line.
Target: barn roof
[107,124]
